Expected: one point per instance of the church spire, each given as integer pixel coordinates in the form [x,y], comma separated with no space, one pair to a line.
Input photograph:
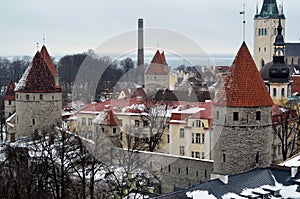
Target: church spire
[279,44]
[270,10]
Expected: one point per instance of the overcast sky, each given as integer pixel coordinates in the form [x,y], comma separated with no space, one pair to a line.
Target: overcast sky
[73,26]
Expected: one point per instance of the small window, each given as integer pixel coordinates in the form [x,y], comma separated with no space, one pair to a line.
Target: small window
[181,150]
[41,96]
[169,168]
[259,49]
[17,96]
[83,121]
[224,157]
[197,155]
[33,121]
[33,97]
[218,116]
[53,97]
[121,136]
[265,49]
[257,157]
[114,130]
[203,138]
[258,115]
[202,155]
[27,97]
[274,92]
[178,170]
[193,137]
[145,123]
[90,121]
[235,116]
[136,123]
[292,61]
[181,133]
[193,154]
[168,138]
[282,92]
[187,170]
[9,102]
[198,138]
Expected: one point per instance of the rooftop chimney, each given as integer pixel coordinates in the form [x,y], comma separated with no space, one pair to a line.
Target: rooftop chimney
[140,58]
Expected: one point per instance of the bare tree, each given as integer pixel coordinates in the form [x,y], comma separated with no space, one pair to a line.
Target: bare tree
[285,125]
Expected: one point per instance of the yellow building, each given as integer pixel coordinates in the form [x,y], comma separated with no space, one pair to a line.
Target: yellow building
[189,130]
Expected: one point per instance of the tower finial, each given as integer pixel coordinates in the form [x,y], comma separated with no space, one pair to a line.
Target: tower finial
[257,8]
[37,46]
[44,39]
[243,12]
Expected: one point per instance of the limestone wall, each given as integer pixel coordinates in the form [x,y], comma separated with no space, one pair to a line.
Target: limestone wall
[241,145]
[37,111]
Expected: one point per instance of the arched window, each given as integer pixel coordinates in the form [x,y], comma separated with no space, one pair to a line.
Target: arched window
[266,31]
[274,92]
[259,31]
[282,92]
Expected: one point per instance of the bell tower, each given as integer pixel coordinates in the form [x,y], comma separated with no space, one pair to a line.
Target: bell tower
[265,31]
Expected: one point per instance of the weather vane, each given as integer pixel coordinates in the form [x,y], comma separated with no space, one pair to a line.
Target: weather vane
[243,12]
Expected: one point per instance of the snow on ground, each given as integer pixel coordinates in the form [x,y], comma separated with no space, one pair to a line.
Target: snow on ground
[232,195]
[200,194]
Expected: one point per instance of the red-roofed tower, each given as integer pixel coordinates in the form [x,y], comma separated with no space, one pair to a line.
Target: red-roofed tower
[9,99]
[156,74]
[242,119]
[38,97]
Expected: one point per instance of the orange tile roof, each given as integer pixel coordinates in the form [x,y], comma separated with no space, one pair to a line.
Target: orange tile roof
[157,59]
[38,78]
[162,55]
[243,85]
[10,91]
[45,55]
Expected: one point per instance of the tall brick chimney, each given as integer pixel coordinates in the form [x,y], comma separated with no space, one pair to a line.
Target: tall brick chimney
[140,58]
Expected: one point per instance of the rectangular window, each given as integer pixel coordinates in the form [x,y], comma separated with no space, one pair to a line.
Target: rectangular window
[145,138]
[136,123]
[27,97]
[83,121]
[181,132]
[235,116]
[145,123]
[41,96]
[224,157]
[218,116]
[168,138]
[114,130]
[193,154]
[9,102]
[193,137]
[181,150]
[90,121]
[203,138]
[258,115]
[33,121]
[202,155]
[121,136]
[198,138]
[197,155]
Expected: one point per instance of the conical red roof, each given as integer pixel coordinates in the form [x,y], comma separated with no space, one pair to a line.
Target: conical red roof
[10,91]
[243,86]
[37,78]
[45,55]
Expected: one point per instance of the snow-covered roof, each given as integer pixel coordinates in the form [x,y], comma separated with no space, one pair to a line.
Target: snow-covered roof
[292,162]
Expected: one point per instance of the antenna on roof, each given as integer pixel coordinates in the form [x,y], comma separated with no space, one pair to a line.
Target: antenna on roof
[243,12]
[37,46]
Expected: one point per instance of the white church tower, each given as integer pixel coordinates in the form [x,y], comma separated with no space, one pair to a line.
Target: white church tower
[265,31]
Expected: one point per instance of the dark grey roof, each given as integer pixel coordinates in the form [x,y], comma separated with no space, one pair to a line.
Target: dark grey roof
[292,49]
[237,183]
